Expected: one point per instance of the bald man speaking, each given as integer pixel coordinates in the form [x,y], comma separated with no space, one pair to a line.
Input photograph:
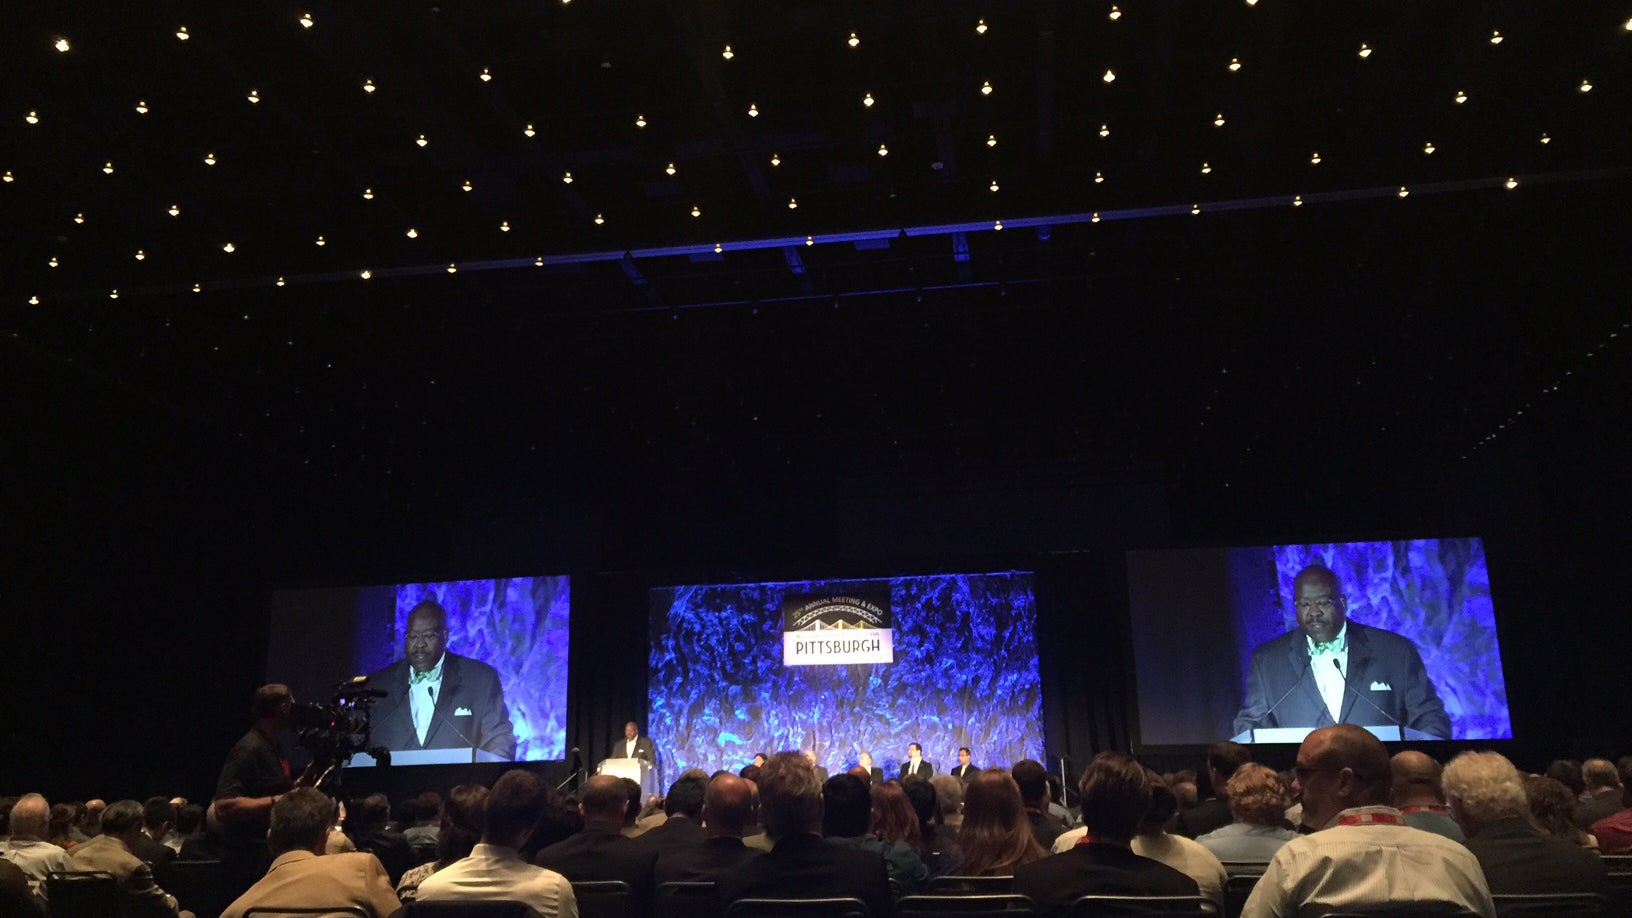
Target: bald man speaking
[1330,670]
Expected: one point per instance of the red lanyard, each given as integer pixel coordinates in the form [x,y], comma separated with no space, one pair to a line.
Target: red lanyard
[1371,819]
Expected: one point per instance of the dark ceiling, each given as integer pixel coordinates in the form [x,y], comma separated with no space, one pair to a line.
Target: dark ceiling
[1236,312]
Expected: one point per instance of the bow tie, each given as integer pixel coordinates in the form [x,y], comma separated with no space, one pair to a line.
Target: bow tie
[430,675]
[1329,647]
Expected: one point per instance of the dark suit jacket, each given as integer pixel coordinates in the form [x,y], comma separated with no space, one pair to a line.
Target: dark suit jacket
[702,863]
[965,773]
[468,685]
[1056,881]
[1212,813]
[1518,859]
[152,851]
[926,770]
[16,899]
[601,854]
[1376,658]
[807,867]
[1601,804]
[643,749]
[676,833]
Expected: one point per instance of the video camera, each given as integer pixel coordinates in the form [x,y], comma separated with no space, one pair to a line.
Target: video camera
[333,731]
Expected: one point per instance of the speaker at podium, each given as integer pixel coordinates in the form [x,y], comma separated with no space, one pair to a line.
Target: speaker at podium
[637,770]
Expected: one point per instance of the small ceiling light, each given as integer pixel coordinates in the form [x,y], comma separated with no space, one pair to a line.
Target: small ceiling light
[883,150]
[181,33]
[32,117]
[1218,120]
[1252,2]
[1460,97]
[980,27]
[1365,50]
[33,301]
[599,220]
[793,203]
[566,179]
[539,261]
[229,248]
[867,100]
[62,45]
[696,211]
[1195,209]
[1206,168]
[466,186]
[1511,183]
[1109,77]
[718,248]
[993,186]
[810,240]
[1546,139]
[1495,38]
[306,20]
[368,194]
[1428,148]
[1627,25]
[141,106]
[853,41]
[1297,200]
[53,262]
[198,288]
[669,169]
[1104,130]
[422,141]
[1094,218]
[640,121]
[487,75]
[504,226]
[528,130]
[775,160]
[280,281]
[412,233]
[453,268]
[728,53]
[998,226]
[366,274]
[753,110]
[321,242]
[1314,158]
[8,178]
[1586,86]
[79,218]
[114,295]
[1235,64]
[368,86]
[986,88]
[1099,178]
[209,159]
[1114,14]
[141,255]
[175,210]
[107,168]
[1403,192]
[254,97]
[991,140]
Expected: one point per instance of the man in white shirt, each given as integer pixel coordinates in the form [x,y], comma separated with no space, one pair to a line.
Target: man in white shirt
[1364,854]
[494,870]
[27,847]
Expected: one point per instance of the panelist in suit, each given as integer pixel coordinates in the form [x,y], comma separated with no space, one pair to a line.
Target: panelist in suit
[965,772]
[875,775]
[915,766]
[439,699]
[634,746]
[1332,670]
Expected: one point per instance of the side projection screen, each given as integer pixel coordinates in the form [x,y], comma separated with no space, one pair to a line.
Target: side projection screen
[473,670]
[1263,644]
[838,668]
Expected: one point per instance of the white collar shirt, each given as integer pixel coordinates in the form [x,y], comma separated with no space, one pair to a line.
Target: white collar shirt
[422,696]
[1329,678]
[497,872]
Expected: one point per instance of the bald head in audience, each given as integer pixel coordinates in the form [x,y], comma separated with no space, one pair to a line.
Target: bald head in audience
[604,803]
[1416,779]
[728,806]
[1339,767]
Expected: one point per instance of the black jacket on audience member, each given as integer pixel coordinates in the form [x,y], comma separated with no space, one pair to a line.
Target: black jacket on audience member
[677,833]
[702,863]
[1098,869]
[602,854]
[1519,859]
[805,866]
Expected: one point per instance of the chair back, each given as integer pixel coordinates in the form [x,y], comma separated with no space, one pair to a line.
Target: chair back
[1141,906]
[604,899]
[199,886]
[949,885]
[329,911]
[1619,867]
[965,905]
[798,908]
[424,853]
[686,900]
[1237,887]
[1554,905]
[1401,910]
[494,908]
[1245,868]
[82,894]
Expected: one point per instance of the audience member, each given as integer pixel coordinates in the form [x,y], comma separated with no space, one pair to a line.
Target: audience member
[157,817]
[1552,809]
[6,803]
[27,847]
[1185,855]
[251,781]
[1056,801]
[203,843]
[16,899]
[1603,794]
[424,824]
[728,803]
[600,851]
[1614,832]
[802,864]
[88,819]
[368,826]
[189,818]
[494,869]
[60,830]
[682,826]
[1214,812]
[949,800]
[112,851]
[1258,803]
[1032,780]
[1115,795]
[850,819]
[937,843]
[459,830]
[892,817]
[995,837]
[1487,799]
[299,878]
[1362,852]
[1418,796]
[1568,773]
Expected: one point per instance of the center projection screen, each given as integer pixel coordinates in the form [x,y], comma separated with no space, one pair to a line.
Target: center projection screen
[735,671]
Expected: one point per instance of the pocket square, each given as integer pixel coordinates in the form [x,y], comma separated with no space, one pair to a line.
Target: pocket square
[1381,687]
[465,712]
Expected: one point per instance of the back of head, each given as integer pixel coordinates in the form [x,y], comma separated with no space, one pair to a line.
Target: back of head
[1225,758]
[1599,774]
[632,796]
[605,800]
[860,773]
[122,817]
[189,818]
[514,806]
[847,807]
[729,805]
[60,824]
[790,796]
[269,700]
[685,796]
[1485,787]
[893,818]
[428,807]
[996,835]
[369,814]
[1415,778]
[1356,749]
[464,818]
[948,795]
[1033,780]
[1163,804]
[1552,807]
[1115,795]
[1256,795]
[31,817]
[157,812]
[1568,773]
[300,821]
[750,773]
[921,794]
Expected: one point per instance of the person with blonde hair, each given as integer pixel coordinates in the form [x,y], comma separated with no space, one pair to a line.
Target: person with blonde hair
[1258,802]
[996,835]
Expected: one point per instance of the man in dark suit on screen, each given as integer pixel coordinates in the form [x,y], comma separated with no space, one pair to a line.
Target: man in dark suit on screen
[439,699]
[1332,670]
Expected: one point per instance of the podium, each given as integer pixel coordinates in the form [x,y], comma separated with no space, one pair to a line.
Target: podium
[639,771]
[458,755]
[1388,733]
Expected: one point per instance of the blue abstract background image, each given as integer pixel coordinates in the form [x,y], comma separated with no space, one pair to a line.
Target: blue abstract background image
[1434,591]
[519,626]
[965,674]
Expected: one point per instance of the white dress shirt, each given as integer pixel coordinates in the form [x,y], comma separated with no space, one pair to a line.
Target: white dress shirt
[422,697]
[1329,678]
[497,872]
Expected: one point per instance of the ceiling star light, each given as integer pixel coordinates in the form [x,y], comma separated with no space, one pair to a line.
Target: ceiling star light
[810,240]
[728,53]
[1586,86]
[1495,38]
[62,45]
[1235,65]
[793,203]
[140,255]
[1365,50]
[306,20]
[229,248]
[466,186]
[566,179]
[198,288]
[1297,200]
[254,97]
[141,106]
[883,150]
[696,211]
[853,40]
[79,218]
[114,295]
[1114,14]
[107,168]
[53,262]
[1104,130]
[867,100]
[453,268]
[753,110]
[504,226]
[1109,77]
[980,27]
[1195,209]
[1099,178]
[991,140]
[1428,149]
[640,121]
[320,242]
[528,131]
[209,159]
[487,75]
[1094,218]
[368,194]
[1206,168]
[1314,158]
[182,34]
[718,248]
[1218,120]
[422,141]
[998,226]
[1546,139]
[1511,183]
[1460,97]
[280,281]
[366,274]
[412,233]
[775,160]
[993,186]
[8,178]
[175,210]
[32,117]
[368,86]
[986,88]
[599,220]
[33,301]
[1403,192]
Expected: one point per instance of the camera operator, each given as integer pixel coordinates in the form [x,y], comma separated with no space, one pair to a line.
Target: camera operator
[253,778]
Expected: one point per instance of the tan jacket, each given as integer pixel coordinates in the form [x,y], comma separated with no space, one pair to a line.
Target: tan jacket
[142,896]
[301,879]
